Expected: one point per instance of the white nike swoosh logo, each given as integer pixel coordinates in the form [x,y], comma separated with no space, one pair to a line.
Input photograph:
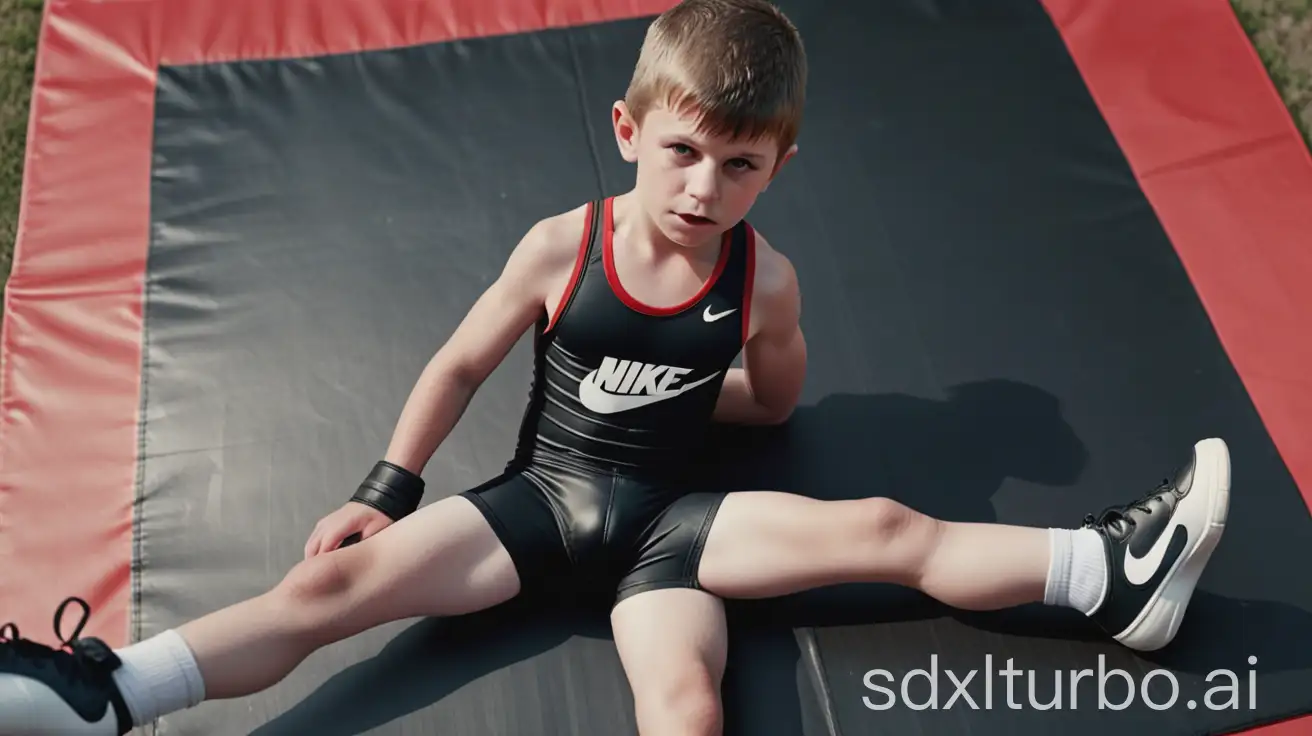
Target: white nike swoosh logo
[1139,570]
[604,402]
[709,317]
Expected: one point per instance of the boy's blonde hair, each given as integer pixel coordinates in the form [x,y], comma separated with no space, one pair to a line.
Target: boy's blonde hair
[737,65]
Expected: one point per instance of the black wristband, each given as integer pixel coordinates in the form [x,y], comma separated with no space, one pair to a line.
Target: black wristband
[391,489]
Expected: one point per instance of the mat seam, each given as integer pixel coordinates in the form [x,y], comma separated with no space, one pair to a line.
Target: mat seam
[137,564]
[582,96]
[815,660]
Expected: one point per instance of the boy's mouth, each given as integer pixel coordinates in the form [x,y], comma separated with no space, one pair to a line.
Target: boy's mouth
[695,219]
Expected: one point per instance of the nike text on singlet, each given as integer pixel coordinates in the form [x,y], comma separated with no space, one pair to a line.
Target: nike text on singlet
[620,386]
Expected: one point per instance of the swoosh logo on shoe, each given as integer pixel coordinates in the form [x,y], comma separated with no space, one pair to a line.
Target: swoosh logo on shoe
[1139,570]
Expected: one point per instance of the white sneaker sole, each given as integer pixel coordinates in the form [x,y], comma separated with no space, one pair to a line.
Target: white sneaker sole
[29,708]
[1204,512]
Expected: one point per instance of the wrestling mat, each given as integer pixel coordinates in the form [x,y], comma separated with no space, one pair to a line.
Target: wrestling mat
[1044,247]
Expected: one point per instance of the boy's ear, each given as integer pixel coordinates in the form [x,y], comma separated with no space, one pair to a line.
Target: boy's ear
[792,151]
[626,131]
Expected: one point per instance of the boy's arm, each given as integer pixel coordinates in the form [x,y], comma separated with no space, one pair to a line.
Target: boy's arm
[766,389]
[496,321]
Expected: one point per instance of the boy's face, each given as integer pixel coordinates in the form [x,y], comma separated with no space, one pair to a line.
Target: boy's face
[692,186]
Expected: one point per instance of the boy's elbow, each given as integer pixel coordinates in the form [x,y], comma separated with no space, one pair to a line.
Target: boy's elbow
[457,372]
[777,415]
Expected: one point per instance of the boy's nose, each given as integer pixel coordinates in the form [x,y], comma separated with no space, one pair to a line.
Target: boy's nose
[703,183]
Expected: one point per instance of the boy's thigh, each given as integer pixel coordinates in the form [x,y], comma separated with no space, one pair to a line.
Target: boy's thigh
[671,641]
[667,552]
[442,560]
[527,517]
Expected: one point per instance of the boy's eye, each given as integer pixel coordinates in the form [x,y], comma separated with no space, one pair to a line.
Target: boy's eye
[739,164]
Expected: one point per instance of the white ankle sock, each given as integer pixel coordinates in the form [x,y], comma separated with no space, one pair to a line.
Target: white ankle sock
[1077,570]
[158,676]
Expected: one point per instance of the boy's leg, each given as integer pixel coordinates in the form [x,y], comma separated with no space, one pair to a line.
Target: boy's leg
[1133,569]
[441,560]
[673,644]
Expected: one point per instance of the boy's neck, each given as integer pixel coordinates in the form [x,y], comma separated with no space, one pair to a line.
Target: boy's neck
[636,233]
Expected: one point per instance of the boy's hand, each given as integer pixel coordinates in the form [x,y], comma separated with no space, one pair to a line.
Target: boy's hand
[351,519]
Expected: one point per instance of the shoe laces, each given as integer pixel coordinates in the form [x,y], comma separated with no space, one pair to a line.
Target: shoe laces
[1123,512]
[75,658]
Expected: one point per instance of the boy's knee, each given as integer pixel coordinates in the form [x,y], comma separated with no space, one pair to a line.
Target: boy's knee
[319,579]
[688,705]
[887,520]
[898,535]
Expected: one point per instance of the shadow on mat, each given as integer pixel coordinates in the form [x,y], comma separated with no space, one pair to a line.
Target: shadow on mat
[945,458]
[427,662]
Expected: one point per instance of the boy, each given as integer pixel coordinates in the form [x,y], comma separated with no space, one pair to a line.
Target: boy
[641,302]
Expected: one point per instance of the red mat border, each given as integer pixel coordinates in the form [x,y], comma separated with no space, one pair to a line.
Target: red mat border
[1201,125]
[1216,153]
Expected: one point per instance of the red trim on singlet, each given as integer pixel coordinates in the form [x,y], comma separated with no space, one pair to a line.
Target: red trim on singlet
[749,281]
[580,260]
[608,259]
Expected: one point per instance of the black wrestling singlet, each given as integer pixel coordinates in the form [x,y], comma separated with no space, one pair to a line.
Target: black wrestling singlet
[624,387]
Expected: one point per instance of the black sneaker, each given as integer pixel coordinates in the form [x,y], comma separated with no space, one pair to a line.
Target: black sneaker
[1158,546]
[67,691]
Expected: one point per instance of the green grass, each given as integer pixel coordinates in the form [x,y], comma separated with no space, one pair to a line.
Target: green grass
[19,23]
[1281,31]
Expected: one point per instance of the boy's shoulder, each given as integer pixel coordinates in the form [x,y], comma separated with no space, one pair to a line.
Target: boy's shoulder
[552,243]
[775,276]
[559,234]
[776,293]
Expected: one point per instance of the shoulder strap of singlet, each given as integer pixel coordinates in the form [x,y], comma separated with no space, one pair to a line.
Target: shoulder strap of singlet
[587,245]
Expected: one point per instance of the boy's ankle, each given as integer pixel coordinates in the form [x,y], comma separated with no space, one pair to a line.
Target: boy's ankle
[159,676]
